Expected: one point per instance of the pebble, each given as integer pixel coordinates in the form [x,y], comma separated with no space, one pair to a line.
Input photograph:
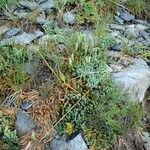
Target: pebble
[12,32]
[26,105]
[69,18]
[29,5]
[45,6]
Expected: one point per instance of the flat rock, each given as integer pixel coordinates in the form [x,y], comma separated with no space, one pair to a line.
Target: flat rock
[21,15]
[41,20]
[12,32]
[119,20]
[126,16]
[78,143]
[134,80]
[117,47]
[27,4]
[23,123]
[69,18]
[23,39]
[45,6]
[117,27]
[75,144]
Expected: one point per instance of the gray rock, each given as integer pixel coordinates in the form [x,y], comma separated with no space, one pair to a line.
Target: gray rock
[126,16]
[119,20]
[41,20]
[27,4]
[23,123]
[26,105]
[145,23]
[69,18]
[88,35]
[145,35]
[117,27]
[146,139]
[117,47]
[141,27]
[134,80]
[49,4]
[41,1]
[75,144]
[59,145]
[131,31]
[12,32]
[21,15]
[78,143]
[23,39]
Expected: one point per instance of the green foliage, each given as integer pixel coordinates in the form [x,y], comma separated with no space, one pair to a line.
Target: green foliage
[103,112]
[8,136]
[137,6]
[11,66]
[7,4]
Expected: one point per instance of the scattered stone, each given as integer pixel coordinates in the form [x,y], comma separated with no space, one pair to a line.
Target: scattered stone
[41,1]
[117,47]
[23,39]
[41,20]
[48,5]
[117,27]
[146,36]
[69,18]
[119,20]
[126,16]
[26,105]
[145,23]
[131,31]
[27,4]
[21,15]
[141,27]
[23,123]
[134,80]
[75,144]
[12,32]
[146,139]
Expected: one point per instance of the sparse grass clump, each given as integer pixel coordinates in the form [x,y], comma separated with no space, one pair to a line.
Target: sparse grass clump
[96,107]
[12,75]
[7,4]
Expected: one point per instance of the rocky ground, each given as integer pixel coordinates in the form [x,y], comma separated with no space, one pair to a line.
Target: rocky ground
[129,65]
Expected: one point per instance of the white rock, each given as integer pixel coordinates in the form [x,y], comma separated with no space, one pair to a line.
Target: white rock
[134,80]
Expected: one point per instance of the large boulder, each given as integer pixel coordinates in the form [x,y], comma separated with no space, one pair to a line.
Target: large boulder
[134,80]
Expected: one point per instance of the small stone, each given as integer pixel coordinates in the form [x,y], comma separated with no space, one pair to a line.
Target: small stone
[45,6]
[145,23]
[69,18]
[141,27]
[41,1]
[145,35]
[12,32]
[21,15]
[117,47]
[41,20]
[131,31]
[26,105]
[29,5]
[23,123]
[126,16]
[119,20]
